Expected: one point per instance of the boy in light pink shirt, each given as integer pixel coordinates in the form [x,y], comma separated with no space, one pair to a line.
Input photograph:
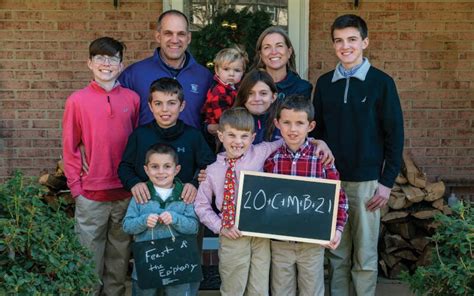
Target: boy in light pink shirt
[244,262]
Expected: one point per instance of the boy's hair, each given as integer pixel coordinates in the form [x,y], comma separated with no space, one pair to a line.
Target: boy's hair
[172,12]
[258,63]
[106,46]
[230,55]
[249,82]
[350,21]
[168,86]
[238,118]
[296,103]
[162,148]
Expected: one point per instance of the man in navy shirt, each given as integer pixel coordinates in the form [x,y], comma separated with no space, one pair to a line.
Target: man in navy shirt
[170,59]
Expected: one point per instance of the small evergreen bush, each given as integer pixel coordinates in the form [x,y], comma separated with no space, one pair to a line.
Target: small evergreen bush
[207,42]
[452,269]
[39,251]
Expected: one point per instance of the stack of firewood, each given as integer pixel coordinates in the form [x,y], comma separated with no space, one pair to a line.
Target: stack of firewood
[407,221]
[57,189]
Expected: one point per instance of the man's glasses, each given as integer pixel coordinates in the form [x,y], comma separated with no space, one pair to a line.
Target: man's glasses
[100,59]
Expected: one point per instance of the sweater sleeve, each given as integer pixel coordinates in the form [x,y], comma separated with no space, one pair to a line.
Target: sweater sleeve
[204,157]
[72,133]
[392,125]
[317,132]
[126,169]
[203,207]
[186,222]
[133,222]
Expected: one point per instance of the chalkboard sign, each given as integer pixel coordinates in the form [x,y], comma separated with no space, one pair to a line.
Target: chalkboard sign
[164,262]
[287,207]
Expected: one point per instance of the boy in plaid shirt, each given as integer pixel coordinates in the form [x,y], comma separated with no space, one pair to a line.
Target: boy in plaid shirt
[295,119]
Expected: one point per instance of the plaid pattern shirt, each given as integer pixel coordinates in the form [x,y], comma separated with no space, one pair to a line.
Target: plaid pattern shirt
[219,98]
[305,163]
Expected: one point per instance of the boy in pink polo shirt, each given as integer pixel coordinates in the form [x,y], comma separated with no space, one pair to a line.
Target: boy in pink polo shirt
[97,122]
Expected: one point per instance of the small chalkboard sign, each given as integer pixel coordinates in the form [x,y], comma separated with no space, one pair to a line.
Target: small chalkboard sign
[164,262]
[287,207]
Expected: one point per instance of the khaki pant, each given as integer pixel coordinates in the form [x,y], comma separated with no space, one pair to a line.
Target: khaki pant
[356,257]
[244,266]
[99,228]
[297,264]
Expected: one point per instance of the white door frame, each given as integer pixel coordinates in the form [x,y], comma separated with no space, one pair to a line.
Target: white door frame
[298,29]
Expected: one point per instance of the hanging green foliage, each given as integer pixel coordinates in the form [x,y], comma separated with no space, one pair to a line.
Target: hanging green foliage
[452,269]
[227,29]
[39,251]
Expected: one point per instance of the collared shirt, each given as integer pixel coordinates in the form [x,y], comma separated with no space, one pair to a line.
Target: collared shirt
[219,98]
[252,160]
[305,163]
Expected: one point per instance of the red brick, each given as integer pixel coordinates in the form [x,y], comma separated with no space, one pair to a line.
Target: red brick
[14,124]
[15,104]
[14,84]
[31,95]
[28,75]
[22,114]
[44,45]
[14,25]
[27,15]
[34,152]
[45,123]
[44,85]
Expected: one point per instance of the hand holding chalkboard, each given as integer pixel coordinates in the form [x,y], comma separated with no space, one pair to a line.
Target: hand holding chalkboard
[287,207]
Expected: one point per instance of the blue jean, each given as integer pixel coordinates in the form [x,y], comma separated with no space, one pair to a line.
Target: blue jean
[189,289]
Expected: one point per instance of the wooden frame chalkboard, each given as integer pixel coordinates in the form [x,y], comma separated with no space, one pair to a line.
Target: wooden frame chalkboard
[284,207]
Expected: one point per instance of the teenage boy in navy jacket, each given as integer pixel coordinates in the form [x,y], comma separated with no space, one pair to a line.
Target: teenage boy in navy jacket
[358,115]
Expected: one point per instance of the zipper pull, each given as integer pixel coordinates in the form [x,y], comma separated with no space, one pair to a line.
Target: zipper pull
[109,106]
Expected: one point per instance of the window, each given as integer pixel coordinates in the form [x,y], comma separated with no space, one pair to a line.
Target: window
[290,14]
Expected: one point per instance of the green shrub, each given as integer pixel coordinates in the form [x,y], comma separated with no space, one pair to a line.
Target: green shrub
[452,269]
[212,38]
[39,251]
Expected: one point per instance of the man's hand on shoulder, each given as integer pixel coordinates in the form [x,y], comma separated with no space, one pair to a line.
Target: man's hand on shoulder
[189,193]
[141,193]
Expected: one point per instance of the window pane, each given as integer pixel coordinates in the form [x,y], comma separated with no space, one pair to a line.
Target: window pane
[201,12]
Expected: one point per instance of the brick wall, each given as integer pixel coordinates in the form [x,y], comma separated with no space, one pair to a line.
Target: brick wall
[43,54]
[428,48]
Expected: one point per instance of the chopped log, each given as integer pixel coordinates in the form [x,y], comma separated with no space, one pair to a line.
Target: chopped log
[55,183]
[397,269]
[406,230]
[397,202]
[438,204]
[425,214]
[414,176]
[383,266]
[408,204]
[413,194]
[59,168]
[425,258]
[394,217]
[419,243]
[384,210]
[394,242]
[447,210]
[435,191]
[405,254]
[396,188]
[401,179]
[428,225]
[389,259]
